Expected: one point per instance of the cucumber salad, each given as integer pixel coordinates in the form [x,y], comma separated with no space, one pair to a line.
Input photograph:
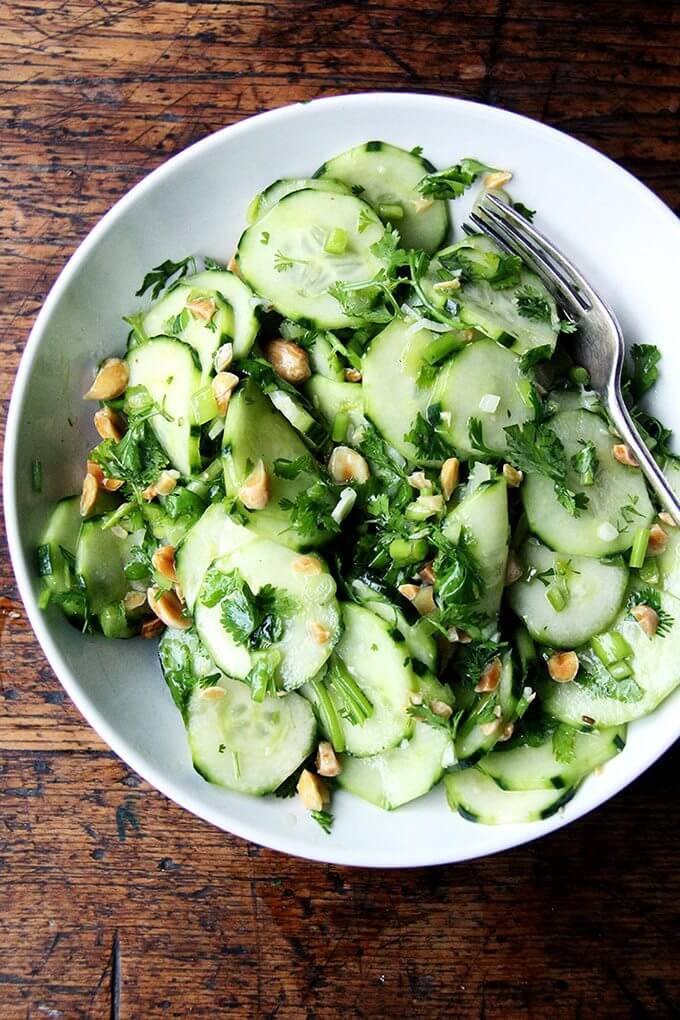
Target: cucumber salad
[355,486]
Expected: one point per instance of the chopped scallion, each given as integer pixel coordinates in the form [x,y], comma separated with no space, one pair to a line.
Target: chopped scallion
[340,423]
[639,548]
[203,405]
[336,242]
[391,211]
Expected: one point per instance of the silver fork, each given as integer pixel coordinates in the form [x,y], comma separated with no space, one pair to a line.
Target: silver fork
[598,345]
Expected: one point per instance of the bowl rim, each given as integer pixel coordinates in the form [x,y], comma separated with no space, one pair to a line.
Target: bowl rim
[508,836]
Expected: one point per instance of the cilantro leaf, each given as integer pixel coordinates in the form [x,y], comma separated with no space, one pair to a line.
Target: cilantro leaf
[454,180]
[645,358]
[324,819]
[524,211]
[429,443]
[564,744]
[459,583]
[160,276]
[533,305]
[311,510]
[536,448]
[476,439]
[586,462]
[290,469]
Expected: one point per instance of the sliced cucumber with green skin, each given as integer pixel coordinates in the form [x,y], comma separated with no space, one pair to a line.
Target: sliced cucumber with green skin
[595,591]
[324,360]
[671,469]
[668,562]
[254,430]
[268,198]
[101,557]
[332,398]
[481,372]
[418,637]
[389,176]
[168,371]
[292,268]
[61,532]
[392,397]
[170,316]
[184,664]
[164,528]
[404,773]
[472,739]
[496,311]
[313,611]
[240,298]
[382,669]
[595,697]
[536,768]
[484,516]
[214,535]
[618,503]
[246,745]
[476,797]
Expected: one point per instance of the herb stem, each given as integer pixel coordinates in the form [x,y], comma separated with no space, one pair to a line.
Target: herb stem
[330,720]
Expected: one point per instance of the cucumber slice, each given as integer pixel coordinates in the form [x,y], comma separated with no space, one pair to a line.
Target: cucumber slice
[483,513]
[536,768]
[255,430]
[170,316]
[392,397]
[596,591]
[268,198]
[618,502]
[332,398]
[479,799]
[240,298]
[596,698]
[291,267]
[324,360]
[389,176]
[214,535]
[167,369]
[671,469]
[313,605]
[482,369]
[472,742]
[496,311]
[382,670]
[61,532]
[418,637]
[248,746]
[669,563]
[100,560]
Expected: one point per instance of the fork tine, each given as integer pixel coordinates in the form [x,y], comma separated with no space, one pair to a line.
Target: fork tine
[541,245]
[552,277]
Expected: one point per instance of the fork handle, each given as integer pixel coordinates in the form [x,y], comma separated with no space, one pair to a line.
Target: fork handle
[625,427]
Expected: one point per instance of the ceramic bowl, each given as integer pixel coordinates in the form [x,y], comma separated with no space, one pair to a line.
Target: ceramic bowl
[624,239]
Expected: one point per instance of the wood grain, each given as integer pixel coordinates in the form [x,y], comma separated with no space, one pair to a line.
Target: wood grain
[113,902]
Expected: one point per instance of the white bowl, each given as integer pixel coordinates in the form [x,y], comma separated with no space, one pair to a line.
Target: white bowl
[624,239]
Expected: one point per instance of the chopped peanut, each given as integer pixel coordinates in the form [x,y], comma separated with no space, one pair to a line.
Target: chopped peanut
[256,490]
[490,676]
[625,455]
[427,574]
[112,484]
[422,204]
[513,476]
[163,486]
[202,308]
[441,709]
[232,265]
[346,465]
[326,762]
[111,380]
[88,496]
[416,699]
[507,732]
[151,628]
[513,568]
[563,666]
[163,561]
[212,693]
[497,179]
[448,476]
[647,617]
[453,284]
[409,591]
[312,791]
[224,357]
[667,519]
[424,600]
[658,539]
[320,634]
[93,468]
[167,608]
[223,385]
[488,728]
[419,480]
[352,375]
[134,600]
[306,565]
[109,425]
[288,359]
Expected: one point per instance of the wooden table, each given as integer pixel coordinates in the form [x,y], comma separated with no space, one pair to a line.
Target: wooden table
[115,903]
